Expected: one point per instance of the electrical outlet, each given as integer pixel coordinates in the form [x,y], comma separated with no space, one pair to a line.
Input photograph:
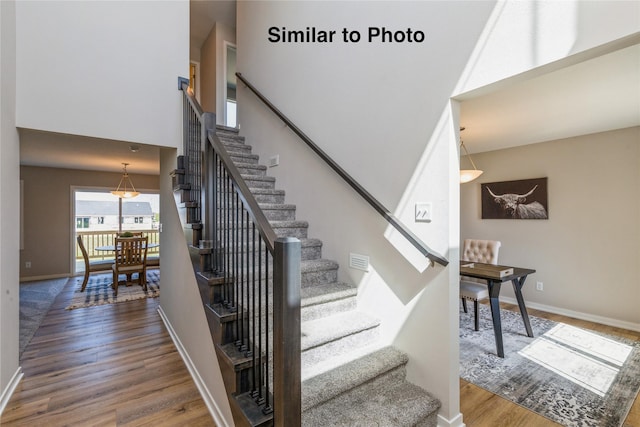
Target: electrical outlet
[423,212]
[539,286]
[27,264]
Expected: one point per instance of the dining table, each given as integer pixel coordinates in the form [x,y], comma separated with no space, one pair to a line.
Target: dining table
[106,248]
[495,275]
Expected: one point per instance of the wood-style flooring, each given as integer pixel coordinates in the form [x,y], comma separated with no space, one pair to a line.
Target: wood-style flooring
[481,408]
[110,365]
[115,365]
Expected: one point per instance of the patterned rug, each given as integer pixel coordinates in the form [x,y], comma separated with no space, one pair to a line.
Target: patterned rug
[570,375]
[99,291]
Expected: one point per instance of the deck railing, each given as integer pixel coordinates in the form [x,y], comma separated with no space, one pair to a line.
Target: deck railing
[94,239]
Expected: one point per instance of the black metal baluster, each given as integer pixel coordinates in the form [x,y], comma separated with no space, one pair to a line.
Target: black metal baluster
[236,274]
[268,408]
[257,392]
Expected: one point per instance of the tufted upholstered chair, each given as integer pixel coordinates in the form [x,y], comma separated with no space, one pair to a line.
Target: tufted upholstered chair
[485,251]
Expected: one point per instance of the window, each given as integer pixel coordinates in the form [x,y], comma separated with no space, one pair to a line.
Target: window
[99,216]
[82,222]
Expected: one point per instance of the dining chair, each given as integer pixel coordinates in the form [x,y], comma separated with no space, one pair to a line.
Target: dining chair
[475,250]
[131,257]
[91,266]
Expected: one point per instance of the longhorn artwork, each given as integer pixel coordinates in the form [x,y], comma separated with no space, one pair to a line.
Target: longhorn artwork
[523,199]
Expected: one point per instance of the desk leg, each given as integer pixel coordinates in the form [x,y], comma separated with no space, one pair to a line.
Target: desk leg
[517,288]
[494,301]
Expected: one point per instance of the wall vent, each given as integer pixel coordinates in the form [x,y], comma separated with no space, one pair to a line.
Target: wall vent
[359,262]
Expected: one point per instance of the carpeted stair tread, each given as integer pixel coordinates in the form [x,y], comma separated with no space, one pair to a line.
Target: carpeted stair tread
[336,376]
[275,206]
[321,331]
[264,178]
[233,147]
[245,158]
[326,292]
[256,168]
[402,404]
[317,265]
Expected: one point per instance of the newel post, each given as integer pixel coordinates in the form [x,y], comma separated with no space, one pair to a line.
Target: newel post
[286,333]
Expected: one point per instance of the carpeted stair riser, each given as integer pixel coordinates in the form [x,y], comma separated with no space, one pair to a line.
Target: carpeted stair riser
[311,249]
[234,147]
[254,181]
[336,301]
[339,347]
[252,159]
[278,212]
[265,195]
[313,272]
[249,169]
[272,211]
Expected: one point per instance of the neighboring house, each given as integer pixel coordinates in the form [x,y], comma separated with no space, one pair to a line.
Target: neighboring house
[104,215]
[385,111]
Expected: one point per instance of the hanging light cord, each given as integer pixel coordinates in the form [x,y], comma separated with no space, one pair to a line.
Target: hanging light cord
[468,155]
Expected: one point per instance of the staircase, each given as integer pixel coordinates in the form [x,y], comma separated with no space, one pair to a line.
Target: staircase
[349,377]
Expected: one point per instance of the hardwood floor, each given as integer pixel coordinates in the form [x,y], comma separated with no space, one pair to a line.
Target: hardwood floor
[481,408]
[115,365]
[110,365]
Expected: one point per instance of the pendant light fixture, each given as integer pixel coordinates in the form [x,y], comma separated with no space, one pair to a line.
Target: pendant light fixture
[468,175]
[125,189]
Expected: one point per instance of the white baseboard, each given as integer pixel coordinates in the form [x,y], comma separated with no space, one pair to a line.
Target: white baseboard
[578,315]
[10,388]
[45,277]
[454,422]
[214,410]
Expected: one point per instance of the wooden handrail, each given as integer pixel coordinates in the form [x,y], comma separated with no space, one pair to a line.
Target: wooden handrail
[373,202]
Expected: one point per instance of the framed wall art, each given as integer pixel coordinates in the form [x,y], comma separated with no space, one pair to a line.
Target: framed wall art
[523,199]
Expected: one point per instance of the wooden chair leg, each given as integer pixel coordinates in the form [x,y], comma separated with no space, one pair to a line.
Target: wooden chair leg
[464,304]
[85,280]
[143,278]
[115,284]
[476,315]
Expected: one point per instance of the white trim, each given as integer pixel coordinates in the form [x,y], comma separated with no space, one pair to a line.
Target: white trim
[226,44]
[454,422]
[197,79]
[579,315]
[45,277]
[214,410]
[11,387]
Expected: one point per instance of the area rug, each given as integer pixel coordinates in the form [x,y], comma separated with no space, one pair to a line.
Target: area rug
[98,291]
[570,375]
[35,301]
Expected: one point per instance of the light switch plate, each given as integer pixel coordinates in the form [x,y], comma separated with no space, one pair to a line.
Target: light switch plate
[423,212]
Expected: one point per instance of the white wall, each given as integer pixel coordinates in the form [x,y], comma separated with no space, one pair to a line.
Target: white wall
[181,303]
[212,75]
[102,69]
[9,206]
[586,253]
[383,112]
[524,35]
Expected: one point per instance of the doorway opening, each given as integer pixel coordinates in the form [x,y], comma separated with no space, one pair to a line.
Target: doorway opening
[230,102]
